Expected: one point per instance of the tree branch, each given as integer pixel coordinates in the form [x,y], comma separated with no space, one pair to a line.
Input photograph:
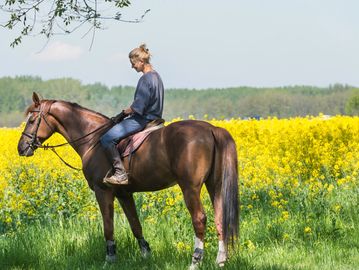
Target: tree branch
[62,16]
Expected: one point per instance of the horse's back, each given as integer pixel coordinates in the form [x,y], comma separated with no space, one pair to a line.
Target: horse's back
[188,129]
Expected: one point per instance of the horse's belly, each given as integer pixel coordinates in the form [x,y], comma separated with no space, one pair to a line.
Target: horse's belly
[149,176]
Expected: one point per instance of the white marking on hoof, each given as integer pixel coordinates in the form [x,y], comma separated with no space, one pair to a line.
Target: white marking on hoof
[221,258]
[222,254]
[198,243]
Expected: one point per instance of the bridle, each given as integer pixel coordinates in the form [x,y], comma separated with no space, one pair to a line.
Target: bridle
[35,143]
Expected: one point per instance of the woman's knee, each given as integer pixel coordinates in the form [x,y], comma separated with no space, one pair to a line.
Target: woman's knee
[106,140]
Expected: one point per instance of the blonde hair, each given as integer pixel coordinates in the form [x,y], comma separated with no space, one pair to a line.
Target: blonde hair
[141,53]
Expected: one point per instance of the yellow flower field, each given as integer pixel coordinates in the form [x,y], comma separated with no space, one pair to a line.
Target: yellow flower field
[277,157]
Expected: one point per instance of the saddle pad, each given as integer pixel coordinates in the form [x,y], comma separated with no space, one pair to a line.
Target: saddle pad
[130,144]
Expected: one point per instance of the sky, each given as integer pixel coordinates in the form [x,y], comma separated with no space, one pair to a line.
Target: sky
[205,44]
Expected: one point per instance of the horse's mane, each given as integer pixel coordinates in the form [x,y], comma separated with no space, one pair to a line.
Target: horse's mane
[81,108]
[71,104]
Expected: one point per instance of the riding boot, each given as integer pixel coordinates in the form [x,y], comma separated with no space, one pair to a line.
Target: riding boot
[120,175]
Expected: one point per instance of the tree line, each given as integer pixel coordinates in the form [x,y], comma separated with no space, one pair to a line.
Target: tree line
[243,102]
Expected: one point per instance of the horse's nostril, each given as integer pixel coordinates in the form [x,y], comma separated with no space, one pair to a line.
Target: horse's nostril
[21,151]
[24,149]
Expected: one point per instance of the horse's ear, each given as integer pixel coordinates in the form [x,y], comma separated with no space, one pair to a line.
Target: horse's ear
[35,99]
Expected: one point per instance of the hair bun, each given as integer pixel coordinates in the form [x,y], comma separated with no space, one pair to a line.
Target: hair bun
[144,47]
[142,53]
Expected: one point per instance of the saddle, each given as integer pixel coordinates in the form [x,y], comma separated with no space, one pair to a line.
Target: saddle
[130,144]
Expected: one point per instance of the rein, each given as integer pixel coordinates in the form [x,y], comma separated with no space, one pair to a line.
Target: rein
[35,142]
[52,147]
[66,163]
[46,146]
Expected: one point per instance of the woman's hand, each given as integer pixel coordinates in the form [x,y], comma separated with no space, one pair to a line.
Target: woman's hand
[128,111]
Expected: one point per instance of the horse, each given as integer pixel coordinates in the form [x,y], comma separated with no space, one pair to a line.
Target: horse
[189,153]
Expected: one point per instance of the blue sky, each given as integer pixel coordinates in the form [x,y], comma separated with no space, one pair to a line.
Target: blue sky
[204,44]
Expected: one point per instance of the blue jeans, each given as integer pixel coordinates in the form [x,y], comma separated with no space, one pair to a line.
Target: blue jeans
[123,129]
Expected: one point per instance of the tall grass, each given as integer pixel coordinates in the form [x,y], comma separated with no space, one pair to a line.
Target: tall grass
[79,244]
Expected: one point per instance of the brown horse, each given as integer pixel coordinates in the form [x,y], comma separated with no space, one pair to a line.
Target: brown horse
[188,153]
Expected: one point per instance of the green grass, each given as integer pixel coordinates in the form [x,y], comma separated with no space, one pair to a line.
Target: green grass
[79,244]
[307,232]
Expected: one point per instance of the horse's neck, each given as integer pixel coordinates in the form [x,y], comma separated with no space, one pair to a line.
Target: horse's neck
[76,123]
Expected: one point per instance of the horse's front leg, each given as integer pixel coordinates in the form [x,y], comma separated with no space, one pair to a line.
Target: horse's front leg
[129,207]
[105,199]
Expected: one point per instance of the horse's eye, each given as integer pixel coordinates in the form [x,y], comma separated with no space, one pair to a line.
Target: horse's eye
[31,118]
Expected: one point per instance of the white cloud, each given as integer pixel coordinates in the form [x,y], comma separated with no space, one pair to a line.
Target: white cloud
[59,51]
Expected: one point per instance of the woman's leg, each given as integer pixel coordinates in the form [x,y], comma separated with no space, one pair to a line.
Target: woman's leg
[109,140]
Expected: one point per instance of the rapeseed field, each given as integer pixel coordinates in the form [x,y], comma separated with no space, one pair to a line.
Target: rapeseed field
[299,179]
[278,159]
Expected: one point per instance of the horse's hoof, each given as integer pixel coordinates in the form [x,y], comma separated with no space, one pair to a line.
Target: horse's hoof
[111,258]
[194,266]
[144,247]
[197,258]
[221,258]
[145,253]
[106,265]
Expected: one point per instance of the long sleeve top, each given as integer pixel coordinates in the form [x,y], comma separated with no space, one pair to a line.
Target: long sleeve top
[148,99]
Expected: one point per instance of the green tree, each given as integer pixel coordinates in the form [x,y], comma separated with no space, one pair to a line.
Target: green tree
[60,16]
[352,105]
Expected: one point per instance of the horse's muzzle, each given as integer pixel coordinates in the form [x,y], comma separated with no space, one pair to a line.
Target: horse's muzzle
[24,149]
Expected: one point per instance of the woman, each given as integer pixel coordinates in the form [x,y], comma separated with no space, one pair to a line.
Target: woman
[147,106]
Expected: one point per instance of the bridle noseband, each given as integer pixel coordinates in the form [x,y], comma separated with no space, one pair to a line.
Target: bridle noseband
[34,142]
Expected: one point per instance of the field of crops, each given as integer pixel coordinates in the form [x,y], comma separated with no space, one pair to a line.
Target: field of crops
[299,183]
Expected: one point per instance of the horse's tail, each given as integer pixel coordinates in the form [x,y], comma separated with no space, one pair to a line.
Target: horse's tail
[226,160]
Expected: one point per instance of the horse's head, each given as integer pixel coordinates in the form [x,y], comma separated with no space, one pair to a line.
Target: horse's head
[38,127]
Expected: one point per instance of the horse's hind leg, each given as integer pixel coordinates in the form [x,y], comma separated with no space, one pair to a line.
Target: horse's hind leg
[216,198]
[195,208]
[105,199]
[129,207]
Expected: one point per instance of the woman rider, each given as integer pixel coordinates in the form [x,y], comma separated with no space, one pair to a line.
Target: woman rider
[146,106]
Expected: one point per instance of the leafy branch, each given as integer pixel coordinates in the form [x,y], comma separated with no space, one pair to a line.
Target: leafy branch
[48,18]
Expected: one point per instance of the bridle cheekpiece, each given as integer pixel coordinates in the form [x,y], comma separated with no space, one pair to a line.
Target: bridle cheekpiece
[34,142]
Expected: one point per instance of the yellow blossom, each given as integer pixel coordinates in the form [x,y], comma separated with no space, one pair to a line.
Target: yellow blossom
[307,230]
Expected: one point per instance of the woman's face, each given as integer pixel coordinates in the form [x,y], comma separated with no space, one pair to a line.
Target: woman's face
[137,65]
